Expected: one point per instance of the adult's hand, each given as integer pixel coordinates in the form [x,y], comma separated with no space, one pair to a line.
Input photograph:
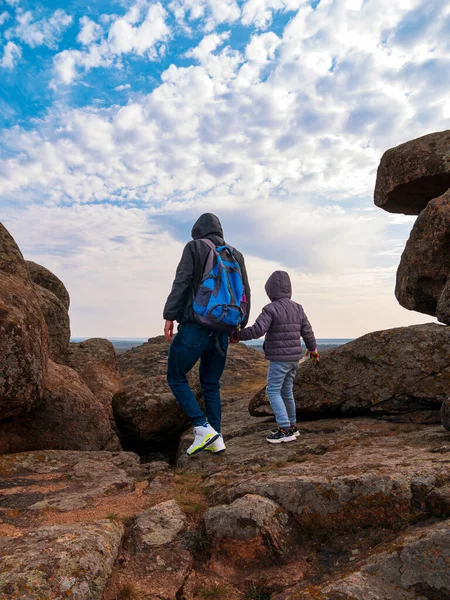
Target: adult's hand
[168,331]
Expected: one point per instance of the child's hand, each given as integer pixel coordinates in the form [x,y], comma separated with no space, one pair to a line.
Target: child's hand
[314,355]
[234,338]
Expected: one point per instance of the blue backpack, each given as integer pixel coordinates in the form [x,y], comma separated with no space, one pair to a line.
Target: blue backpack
[220,303]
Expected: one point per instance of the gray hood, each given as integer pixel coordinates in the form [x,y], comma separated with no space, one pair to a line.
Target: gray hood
[208,224]
[279,286]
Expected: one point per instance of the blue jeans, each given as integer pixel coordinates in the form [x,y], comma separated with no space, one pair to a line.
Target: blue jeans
[191,343]
[280,384]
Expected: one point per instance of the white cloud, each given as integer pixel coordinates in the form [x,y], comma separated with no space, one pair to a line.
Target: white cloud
[45,32]
[4,16]
[11,55]
[282,139]
[141,32]
[125,36]
[259,13]
[121,88]
[89,32]
[211,12]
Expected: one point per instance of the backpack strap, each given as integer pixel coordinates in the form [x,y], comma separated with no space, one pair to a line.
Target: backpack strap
[209,243]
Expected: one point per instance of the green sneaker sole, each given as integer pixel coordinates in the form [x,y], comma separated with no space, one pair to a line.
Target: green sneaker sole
[208,441]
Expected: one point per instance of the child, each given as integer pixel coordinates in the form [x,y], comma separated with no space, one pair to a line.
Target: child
[284,321]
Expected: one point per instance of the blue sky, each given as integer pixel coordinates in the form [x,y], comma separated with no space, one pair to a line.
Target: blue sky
[122,121]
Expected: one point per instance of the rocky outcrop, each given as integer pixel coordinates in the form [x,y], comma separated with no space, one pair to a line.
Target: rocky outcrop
[58,322]
[445,413]
[146,410]
[425,264]
[68,417]
[54,302]
[443,307]
[23,334]
[251,532]
[60,561]
[417,565]
[49,281]
[95,361]
[154,551]
[11,258]
[400,374]
[412,174]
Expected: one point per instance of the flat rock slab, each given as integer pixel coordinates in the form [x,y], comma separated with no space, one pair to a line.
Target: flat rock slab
[38,488]
[416,565]
[412,174]
[60,561]
[340,473]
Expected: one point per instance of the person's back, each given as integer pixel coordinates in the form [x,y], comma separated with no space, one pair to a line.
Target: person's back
[194,341]
[284,322]
[190,270]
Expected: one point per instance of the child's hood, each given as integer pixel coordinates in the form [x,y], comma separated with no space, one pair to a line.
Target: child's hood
[279,286]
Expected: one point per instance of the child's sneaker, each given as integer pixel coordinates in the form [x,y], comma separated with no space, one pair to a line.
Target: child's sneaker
[281,435]
[204,436]
[294,430]
[217,446]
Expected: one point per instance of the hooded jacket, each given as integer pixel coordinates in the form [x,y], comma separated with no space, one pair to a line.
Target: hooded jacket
[189,273]
[283,321]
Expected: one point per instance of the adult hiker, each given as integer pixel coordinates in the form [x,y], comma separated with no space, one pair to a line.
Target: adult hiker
[210,298]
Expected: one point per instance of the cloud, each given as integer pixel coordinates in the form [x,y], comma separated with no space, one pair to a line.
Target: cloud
[121,88]
[280,135]
[210,12]
[89,32]
[45,32]
[259,13]
[4,16]
[11,55]
[140,32]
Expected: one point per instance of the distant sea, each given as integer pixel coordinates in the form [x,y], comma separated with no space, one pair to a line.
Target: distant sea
[123,344]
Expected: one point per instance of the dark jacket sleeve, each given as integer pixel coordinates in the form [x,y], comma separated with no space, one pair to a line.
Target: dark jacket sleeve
[247,289]
[182,285]
[307,333]
[261,326]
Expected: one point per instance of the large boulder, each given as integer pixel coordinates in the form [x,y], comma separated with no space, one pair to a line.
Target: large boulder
[399,374]
[445,413]
[95,361]
[68,417]
[412,174]
[60,561]
[425,265]
[146,411]
[11,258]
[58,322]
[23,334]
[443,307]
[48,280]
[251,532]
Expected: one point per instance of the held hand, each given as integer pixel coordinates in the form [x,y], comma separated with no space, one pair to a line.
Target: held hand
[314,355]
[168,331]
[234,338]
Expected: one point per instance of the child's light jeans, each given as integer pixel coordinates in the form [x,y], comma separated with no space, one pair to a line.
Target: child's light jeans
[280,384]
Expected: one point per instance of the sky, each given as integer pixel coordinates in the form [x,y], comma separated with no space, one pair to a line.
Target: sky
[123,121]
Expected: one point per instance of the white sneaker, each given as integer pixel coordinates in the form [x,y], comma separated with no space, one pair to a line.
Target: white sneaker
[217,446]
[204,436]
